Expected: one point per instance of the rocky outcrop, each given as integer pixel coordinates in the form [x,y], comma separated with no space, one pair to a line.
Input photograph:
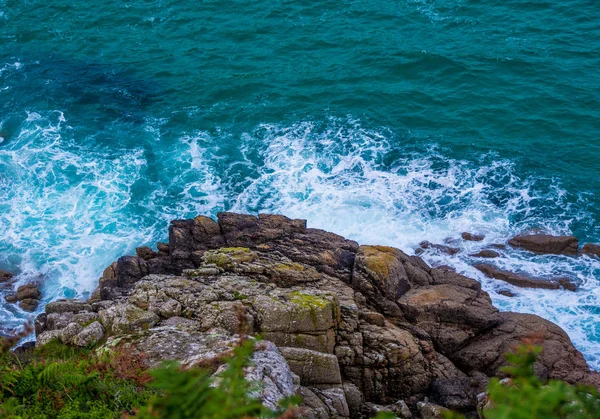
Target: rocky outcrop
[546,244]
[352,329]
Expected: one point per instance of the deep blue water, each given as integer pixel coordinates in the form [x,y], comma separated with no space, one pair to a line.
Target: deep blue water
[387,122]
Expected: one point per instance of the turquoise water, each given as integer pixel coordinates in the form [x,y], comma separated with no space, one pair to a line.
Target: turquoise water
[387,122]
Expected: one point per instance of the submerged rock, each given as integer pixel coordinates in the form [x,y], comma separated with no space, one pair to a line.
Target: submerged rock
[524,281]
[449,250]
[546,244]
[29,304]
[487,253]
[5,276]
[472,237]
[591,250]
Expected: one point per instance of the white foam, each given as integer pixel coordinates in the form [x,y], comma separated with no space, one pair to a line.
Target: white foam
[62,206]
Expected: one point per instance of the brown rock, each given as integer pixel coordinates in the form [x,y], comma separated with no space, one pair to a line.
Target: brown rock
[524,281]
[163,247]
[591,250]
[486,253]
[558,360]
[146,253]
[545,243]
[29,304]
[384,267]
[5,276]
[28,291]
[507,293]
[472,237]
[11,298]
[130,269]
[450,314]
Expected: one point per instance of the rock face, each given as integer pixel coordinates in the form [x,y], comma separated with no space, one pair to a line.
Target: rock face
[544,243]
[353,329]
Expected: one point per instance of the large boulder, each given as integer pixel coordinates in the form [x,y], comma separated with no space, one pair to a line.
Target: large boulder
[28,291]
[126,318]
[558,360]
[313,368]
[545,243]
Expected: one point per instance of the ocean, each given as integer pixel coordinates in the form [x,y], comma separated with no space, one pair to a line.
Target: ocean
[386,122]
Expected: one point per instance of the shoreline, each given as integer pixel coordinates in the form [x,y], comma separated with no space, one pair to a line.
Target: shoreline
[328,292]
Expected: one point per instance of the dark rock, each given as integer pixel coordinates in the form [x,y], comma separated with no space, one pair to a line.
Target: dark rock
[545,243]
[507,293]
[163,247]
[486,253]
[524,281]
[440,247]
[29,304]
[40,323]
[458,394]
[567,284]
[591,250]
[11,298]
[130,269]
[28,291]
[472,237]
[5,276]
[26,347]
[146,253]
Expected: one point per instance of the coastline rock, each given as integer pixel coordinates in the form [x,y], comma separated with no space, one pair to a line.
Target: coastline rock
[558,360]
[29,304]
[146,253]
[351,328]
[29,291]
[546,244]
[11,298]
[524,281]
[591,250]
[472,237]
[486,253]
[5,276]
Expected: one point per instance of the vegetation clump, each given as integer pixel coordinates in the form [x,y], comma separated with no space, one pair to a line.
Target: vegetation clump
[59,381]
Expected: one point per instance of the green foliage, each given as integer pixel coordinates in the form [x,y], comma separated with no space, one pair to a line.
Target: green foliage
[196,394]
[525,396]
[59,381]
